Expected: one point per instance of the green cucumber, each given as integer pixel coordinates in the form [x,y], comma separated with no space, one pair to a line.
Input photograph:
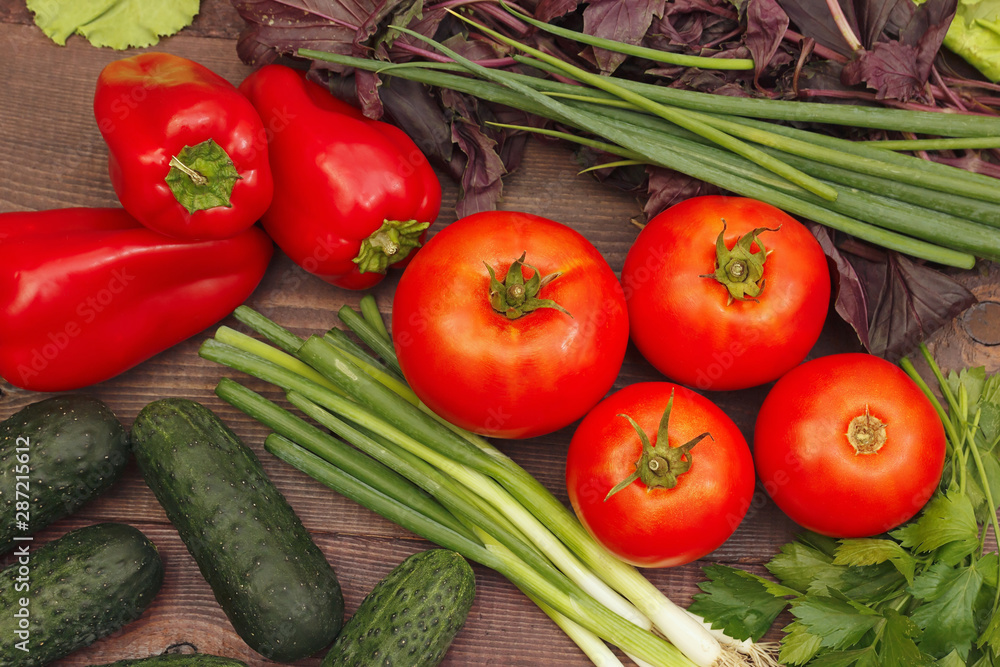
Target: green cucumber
[411,617]
[272,581]
[55,455]
[70,592]
[179,660]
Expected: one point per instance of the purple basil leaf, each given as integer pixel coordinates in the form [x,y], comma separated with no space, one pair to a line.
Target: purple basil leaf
[621,20]
[415,110]
[850,302]
[667,187]
[813,19]
[405,14]
[481,165]
[933,16]
[766,25]
[553,9]
[283,26]
[871,17]
[368,84]
[890,69]
[474,49]
[481,184]
[926,30]
[915,301]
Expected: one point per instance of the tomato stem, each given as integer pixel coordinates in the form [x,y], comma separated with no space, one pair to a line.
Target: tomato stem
[866,433]
[661,465]
[739,269]
[514,297]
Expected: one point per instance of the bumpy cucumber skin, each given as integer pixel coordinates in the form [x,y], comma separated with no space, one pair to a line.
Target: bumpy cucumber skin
[85,585]
[179,660]
[411,617]
[77,449]
[272,581]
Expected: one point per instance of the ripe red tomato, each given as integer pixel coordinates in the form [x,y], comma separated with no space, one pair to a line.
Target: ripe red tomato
[509,376]
[696,330]
[659,527]
[848,446]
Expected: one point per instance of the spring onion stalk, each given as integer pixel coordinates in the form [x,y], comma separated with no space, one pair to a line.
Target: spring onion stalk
[383,504]
[638,51]
[278,335]
[485,486]
[953,204]
[369,310]
[467,506]
[528,100]
[950,144]
[628,577]
[672,114]
[371,336]
[871,164]
[559,595]
[591,645]
[690,637]
[350,460]
[946,230]
[850,115]
[301,456]
[251,345]
[493,493]
[402,514]
[341,340]
[484,459]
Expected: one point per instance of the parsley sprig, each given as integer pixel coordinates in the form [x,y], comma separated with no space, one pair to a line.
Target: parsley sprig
[926,593]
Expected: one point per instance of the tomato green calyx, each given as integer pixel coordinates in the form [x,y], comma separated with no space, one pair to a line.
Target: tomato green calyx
[514,297]
[866,433]
[738,268]
[202,177]
[662,465]
[389,244]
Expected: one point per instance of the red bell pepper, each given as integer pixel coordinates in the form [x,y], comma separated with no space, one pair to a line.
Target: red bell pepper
[187,152]
[86,294]
[352,195]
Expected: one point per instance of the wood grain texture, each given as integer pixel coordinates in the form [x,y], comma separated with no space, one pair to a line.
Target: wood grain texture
[51,155]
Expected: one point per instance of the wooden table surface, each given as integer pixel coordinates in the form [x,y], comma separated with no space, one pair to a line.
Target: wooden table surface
[51,155]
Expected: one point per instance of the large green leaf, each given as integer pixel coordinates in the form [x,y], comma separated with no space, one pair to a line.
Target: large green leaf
[974,34]
[119,24]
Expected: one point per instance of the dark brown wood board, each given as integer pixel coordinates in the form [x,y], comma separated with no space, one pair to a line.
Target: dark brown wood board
[51,155]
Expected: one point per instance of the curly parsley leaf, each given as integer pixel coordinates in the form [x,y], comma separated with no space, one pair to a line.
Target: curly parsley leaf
[119,24]
[742,604]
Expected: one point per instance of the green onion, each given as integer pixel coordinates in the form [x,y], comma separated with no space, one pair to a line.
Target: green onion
[369,310]
[555,590]
[655,148]
[689,122]
[520,515]
[374,338]
[950,144]
[639,51]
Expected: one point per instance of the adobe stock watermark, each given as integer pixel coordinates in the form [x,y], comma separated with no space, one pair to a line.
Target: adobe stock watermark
[22,522]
